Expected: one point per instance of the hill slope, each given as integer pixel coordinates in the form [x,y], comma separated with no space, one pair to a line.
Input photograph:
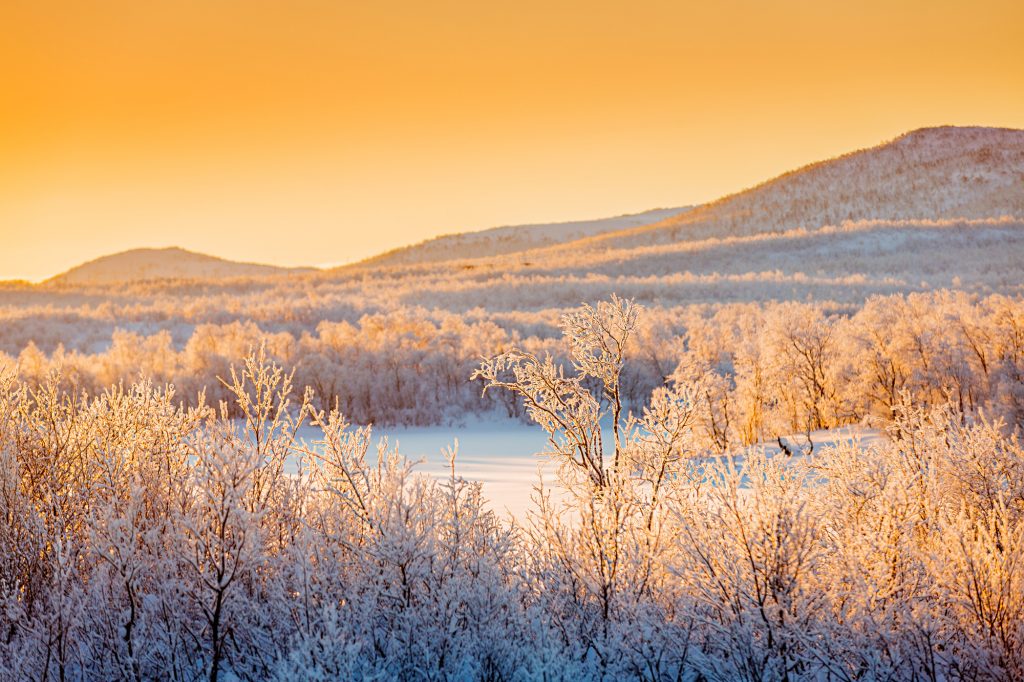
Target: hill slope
[937,207]
[500,241]
[169,263]
[928,174]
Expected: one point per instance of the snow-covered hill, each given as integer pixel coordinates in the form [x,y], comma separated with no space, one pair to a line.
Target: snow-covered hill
[883,220]
[169,263]
[927,174]
[514,238]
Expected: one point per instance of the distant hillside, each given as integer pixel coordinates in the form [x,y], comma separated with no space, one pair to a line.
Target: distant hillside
[928,174]
[937,207]
[844,265]
[512,239]
[170,263]
[925,210]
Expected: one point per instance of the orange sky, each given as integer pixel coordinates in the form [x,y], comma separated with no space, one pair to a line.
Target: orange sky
[316,131]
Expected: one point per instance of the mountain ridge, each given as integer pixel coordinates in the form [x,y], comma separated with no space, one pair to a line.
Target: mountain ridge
[948,159]
[927,174]
[163,263]
[507,239]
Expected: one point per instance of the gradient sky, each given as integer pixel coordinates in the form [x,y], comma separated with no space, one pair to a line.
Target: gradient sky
[314,131]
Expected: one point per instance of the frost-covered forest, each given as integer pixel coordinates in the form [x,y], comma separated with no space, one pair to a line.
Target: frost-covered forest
[146,539]
[776,367]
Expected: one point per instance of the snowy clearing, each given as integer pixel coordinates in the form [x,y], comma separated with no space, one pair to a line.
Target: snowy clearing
[506,456]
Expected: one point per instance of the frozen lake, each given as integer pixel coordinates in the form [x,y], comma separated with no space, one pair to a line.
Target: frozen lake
[503,454]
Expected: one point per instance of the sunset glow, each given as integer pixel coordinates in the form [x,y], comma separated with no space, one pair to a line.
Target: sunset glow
[309,132]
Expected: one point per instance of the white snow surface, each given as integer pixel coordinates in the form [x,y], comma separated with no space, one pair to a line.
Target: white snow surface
[506,455]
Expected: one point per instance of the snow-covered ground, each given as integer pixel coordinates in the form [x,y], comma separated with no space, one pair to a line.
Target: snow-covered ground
[863,436]
[504,455]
